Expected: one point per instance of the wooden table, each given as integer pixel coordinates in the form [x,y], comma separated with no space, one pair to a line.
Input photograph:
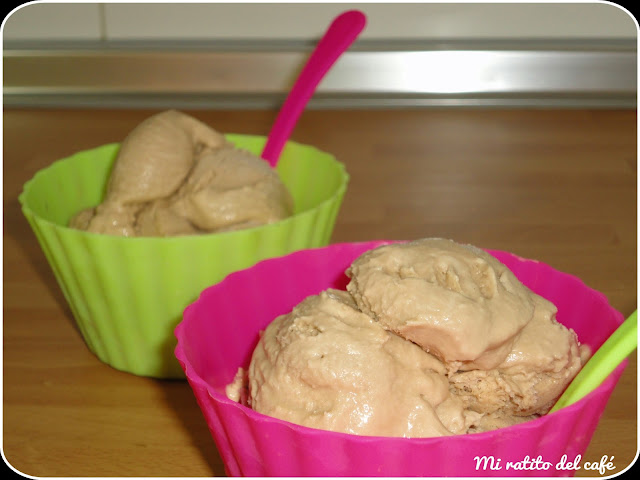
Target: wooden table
[559,186]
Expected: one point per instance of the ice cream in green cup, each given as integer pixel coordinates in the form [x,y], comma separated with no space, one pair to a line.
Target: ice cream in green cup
[127,294]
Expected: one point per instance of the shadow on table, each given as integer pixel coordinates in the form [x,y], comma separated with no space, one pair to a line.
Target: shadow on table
[180,398]
[17,227]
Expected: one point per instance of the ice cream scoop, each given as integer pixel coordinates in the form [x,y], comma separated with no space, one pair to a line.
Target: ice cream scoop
[174,175]
[618,346]
[342,32]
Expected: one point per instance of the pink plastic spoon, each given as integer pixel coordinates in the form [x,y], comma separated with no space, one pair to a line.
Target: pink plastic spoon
[339,36]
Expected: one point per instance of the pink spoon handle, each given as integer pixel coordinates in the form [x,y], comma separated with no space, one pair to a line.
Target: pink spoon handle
[339,36]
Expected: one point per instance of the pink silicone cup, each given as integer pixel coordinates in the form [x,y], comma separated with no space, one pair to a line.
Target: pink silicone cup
[220,329]
[342,32]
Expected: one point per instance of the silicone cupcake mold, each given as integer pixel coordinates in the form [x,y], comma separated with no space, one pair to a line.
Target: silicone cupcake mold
[128,294]
[220,329]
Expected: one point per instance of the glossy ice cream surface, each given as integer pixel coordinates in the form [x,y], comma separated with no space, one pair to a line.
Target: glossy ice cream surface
[431,338]
[174,175]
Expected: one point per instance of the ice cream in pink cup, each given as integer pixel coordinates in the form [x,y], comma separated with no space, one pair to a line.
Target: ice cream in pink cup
[220,330]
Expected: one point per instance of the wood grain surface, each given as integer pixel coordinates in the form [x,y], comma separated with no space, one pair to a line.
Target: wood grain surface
[556,185]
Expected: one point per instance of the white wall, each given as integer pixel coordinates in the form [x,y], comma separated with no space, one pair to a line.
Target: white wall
[295,21]
[39,21]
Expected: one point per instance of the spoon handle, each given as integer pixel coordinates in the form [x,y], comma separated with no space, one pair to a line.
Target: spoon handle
[339,36]
[617,347]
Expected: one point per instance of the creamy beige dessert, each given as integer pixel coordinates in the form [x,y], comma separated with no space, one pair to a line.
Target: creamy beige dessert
[174,175]
[431,338]
[502,346]
[328,365]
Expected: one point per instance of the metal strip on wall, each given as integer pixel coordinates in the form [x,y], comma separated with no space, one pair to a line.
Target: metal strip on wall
[370,76]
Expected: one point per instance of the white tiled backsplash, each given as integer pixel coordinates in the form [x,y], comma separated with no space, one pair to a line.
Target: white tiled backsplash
[245,55]
[305,21]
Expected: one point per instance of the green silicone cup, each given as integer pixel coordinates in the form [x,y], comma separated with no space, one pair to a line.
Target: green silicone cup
[128,294]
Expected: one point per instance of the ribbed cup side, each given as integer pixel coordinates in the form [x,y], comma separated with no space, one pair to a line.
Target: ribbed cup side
[251,444]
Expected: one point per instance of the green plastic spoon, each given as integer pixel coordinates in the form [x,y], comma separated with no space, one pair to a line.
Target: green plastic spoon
[617,347]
